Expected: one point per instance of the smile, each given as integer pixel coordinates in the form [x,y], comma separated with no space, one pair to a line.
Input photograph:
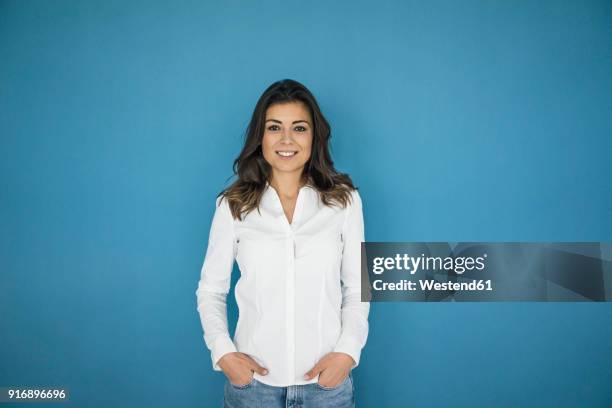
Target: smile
[288,153]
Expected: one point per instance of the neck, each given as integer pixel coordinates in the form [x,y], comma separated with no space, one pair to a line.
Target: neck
[287,184]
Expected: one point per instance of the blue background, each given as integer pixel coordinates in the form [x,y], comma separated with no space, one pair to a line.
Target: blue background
[459,121]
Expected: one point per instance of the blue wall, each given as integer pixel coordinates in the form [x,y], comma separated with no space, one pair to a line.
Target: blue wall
[459,121]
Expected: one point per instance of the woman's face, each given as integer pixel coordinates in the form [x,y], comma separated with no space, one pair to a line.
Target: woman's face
[287,138]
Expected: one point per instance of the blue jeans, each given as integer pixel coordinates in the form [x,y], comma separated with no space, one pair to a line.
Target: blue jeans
[257,394]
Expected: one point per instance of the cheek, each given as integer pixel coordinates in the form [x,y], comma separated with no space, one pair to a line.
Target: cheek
[306,144]
[267,144]
[307,154]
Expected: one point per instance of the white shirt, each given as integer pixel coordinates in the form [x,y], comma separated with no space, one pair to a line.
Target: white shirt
[299,291]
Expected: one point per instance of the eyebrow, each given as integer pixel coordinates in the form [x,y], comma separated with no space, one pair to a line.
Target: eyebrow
[294,122]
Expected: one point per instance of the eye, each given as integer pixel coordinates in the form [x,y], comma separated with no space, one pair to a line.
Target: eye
[272,127]
[301,127]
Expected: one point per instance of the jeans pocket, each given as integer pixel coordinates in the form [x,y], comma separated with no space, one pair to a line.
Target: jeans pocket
[244,386]
[333,388]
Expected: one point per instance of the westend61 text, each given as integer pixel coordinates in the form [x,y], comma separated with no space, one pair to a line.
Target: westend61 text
[430,284]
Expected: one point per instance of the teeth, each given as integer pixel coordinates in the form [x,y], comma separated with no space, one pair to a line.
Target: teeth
[286,154]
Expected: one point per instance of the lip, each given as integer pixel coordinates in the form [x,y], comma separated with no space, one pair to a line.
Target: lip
[286,157]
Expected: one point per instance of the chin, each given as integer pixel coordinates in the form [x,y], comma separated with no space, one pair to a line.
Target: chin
[288,167]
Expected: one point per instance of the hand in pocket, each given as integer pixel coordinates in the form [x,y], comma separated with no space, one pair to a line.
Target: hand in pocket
[239,368]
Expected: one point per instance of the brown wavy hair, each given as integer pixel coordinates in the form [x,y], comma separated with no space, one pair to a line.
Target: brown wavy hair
[253,171]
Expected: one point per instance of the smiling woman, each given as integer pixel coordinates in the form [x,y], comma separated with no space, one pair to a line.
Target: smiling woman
[295,226]
[287,142]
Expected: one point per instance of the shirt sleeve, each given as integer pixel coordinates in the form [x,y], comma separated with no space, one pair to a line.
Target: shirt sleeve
[214,283]
[354,312]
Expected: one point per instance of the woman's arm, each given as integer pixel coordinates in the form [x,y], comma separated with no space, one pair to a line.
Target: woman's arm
[214,283]
[354,312]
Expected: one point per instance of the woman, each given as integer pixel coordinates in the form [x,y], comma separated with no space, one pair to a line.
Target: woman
[295,226]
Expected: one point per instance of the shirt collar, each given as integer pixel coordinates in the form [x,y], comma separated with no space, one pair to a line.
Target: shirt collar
[268,186]
[269,200]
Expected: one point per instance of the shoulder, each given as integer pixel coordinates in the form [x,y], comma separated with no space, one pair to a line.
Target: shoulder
[353,206]
[222,206]
[346,194]
[355,199]
[220,200]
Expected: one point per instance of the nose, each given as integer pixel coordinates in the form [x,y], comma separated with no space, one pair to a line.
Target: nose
[286,136]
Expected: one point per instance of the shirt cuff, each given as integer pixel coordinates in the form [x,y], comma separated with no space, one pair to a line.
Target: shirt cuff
[221,347]
[350,347]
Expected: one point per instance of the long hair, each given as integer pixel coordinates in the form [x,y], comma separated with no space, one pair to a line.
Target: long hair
[253,171]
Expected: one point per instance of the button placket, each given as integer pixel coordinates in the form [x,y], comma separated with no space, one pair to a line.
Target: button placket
[291,281]
[290,308]
[291,305]
[290,278]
